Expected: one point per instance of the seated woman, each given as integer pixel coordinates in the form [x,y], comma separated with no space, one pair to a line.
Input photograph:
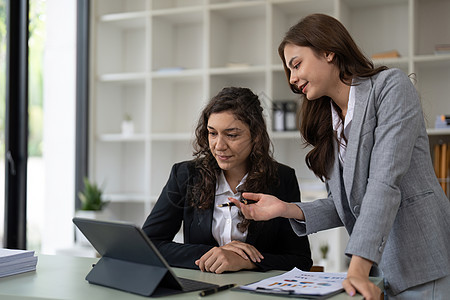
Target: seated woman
[232,154]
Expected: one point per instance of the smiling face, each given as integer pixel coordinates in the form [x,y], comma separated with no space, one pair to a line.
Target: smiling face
[230,143]
[314,74]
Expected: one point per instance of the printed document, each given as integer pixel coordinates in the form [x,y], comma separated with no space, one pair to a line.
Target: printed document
[298,282]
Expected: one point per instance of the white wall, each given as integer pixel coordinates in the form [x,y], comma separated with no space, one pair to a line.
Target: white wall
[59,124]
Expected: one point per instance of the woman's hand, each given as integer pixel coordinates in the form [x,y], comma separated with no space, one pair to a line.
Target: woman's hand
[226,258]
[358,279]
[267,207]
[244,250]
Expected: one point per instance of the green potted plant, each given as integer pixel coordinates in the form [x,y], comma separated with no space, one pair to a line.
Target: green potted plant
[324,251]
[91,197]
[92,206]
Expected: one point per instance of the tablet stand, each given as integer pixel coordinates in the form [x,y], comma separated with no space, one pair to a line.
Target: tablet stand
[133,277]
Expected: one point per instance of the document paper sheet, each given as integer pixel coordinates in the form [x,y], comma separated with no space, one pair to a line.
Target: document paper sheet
[297,282]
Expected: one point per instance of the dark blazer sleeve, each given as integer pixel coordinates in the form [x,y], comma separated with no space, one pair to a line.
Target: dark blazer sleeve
[281,247]
[166,218]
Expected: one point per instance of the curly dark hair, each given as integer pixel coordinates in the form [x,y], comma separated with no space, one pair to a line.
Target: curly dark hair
[323,33]
[262,168]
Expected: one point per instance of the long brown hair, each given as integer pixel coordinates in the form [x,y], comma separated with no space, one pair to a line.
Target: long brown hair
[323,33]
[262,168]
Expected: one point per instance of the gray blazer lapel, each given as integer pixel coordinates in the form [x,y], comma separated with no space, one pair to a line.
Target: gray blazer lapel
[361,100]
[334,183]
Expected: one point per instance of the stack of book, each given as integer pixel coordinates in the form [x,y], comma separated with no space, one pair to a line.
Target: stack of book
[442,155]
[442,165]
[442,49]
[16,261]
[386,54]
[442,121]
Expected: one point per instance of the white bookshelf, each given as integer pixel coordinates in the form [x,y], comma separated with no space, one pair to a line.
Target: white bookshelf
[161,60]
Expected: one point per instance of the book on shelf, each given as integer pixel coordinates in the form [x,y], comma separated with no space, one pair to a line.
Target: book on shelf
[170,70]
[14,261]
[386,54]
[442,121]
[442,49]
[441,164]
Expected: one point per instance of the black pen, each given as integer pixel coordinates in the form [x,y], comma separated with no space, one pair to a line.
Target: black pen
[243,201]
[216,290]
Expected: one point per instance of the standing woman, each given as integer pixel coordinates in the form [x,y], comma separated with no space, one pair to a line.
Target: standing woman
[232,154]
[370,147]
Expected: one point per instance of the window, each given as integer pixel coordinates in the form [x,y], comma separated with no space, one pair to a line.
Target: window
[2,113]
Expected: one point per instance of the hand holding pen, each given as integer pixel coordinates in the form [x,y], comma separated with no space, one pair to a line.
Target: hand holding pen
[267,207]
[243,201]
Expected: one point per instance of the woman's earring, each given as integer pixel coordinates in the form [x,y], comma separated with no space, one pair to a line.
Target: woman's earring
[330,56]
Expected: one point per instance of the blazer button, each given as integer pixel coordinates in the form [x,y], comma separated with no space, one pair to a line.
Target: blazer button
[356,209]
[383,242]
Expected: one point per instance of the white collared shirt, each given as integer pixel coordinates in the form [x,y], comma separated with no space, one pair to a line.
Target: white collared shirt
[337,123]
[225,219]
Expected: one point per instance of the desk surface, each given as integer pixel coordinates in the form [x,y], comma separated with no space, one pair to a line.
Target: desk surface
[62,277]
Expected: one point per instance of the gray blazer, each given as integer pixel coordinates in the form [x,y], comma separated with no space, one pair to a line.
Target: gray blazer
[392,205]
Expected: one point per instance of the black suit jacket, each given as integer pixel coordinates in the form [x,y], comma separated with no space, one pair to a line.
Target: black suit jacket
[281,247]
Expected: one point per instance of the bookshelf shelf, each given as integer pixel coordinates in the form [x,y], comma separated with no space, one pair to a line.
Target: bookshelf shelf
[438,131]
[393,62]
[235,4]
[126,20]
[171,136]
[433,61]
[281,135]
[177,73]
[176,10]
[122,77]
[159,5]
[179,15]
[117,137]
[237,70]
[432,58]
[130,197]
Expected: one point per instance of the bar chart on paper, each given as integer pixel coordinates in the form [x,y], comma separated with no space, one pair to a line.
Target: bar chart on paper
[297,282]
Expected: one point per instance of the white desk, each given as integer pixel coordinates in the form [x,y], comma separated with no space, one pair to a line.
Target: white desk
[63,277]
